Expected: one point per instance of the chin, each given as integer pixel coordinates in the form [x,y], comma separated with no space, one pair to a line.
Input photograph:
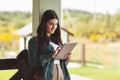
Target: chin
[52,32]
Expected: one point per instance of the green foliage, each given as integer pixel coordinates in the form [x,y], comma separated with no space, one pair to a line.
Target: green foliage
[8,40]
[105,25]
[9,22]
[16,19]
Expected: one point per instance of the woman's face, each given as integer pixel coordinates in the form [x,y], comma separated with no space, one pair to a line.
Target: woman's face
[51,26]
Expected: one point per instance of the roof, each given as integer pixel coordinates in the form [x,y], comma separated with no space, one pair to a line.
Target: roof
[27,30]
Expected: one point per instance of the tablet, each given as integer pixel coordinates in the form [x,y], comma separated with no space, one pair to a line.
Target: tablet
[67,48]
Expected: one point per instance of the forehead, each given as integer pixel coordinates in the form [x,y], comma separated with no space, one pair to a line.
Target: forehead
[53,21]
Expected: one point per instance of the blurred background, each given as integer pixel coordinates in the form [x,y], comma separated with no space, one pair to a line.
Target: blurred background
[94,24]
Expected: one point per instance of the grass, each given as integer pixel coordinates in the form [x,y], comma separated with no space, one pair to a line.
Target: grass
[6,74]
[104,54]
[96,74]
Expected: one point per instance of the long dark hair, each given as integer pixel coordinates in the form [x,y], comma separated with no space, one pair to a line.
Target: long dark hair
[41,30]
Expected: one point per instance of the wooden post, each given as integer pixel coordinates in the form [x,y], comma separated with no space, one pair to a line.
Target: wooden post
[83,55]
[115,59]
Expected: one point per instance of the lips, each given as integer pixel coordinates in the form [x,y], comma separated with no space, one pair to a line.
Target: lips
[52,31]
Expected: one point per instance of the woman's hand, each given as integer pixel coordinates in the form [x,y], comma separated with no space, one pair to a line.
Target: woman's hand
[67,57]
[56,52]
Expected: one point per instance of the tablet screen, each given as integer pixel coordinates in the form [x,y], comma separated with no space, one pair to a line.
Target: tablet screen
[67,48]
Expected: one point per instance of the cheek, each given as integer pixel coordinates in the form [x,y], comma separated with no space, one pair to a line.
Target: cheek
[48,28]
[55,27]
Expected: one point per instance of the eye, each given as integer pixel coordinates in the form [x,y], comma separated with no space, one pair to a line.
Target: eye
[56,24]
[50,23]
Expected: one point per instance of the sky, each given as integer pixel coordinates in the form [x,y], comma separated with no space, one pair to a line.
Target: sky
[16,5]
[102,6]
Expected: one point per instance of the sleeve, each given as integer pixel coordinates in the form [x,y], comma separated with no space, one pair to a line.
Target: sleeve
[45,59]
[32,53]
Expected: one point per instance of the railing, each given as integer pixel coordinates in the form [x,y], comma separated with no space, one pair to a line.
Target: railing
[8,63]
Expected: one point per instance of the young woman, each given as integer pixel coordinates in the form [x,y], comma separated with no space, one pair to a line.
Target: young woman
[43,48]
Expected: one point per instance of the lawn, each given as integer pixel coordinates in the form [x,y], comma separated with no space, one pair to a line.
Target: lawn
[103,54]
[96,74]
[106,55]
[6,74]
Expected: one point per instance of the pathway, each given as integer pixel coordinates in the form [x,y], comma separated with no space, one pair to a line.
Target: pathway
[78,77]
[75,76]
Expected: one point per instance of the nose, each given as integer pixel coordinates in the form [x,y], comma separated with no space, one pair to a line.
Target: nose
[54,25]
